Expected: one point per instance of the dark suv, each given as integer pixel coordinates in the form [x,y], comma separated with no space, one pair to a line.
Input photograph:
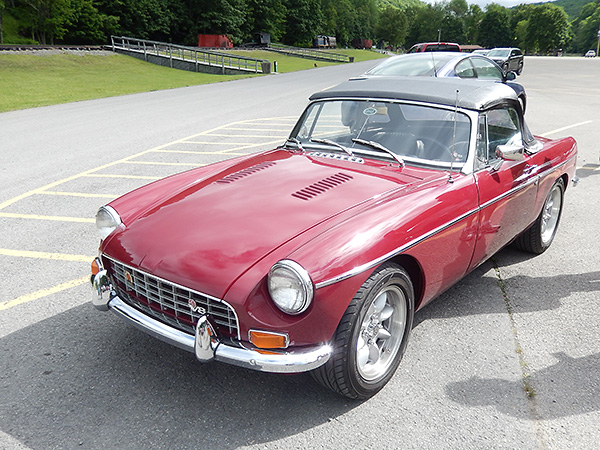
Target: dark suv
[435,47]
[510,59]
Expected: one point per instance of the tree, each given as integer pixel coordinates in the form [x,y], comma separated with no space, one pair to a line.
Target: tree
[86,25]
[392,26]
[266,16]
[494,29]
[548,28]
[472,21]
[586,28]
[304,21]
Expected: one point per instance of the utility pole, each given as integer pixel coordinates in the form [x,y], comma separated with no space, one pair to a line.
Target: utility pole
[440,35]
[598,43]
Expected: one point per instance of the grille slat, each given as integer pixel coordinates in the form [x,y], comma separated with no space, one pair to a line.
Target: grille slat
[168,302]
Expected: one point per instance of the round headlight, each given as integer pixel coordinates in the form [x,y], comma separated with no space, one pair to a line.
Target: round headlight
[290,287]
[107,220]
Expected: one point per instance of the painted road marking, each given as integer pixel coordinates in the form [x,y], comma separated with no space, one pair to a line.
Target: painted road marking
[54,218]
[49,189]
[559,130]
[45,255]
[44,293]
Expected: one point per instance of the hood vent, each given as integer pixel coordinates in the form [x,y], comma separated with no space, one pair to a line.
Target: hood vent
[322,186]
[245,172]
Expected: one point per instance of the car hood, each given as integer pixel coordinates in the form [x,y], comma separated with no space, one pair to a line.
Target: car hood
[211,231]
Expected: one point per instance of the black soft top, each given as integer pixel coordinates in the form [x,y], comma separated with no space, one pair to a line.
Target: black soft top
[477,95]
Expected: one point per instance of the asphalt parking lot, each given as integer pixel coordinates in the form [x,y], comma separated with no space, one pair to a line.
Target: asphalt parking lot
[507,358]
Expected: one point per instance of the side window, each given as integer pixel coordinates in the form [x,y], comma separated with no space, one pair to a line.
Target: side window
[496,127]
[464,69]
[482,142]
[487,70]
[504,128]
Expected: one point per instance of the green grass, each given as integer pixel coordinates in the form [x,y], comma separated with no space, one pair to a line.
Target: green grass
[28,80]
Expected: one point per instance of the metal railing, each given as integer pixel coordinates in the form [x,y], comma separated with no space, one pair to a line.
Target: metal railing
[194,55]
[311,53]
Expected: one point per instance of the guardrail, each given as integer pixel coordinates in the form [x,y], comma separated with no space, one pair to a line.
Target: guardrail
[188,58]
[310,53]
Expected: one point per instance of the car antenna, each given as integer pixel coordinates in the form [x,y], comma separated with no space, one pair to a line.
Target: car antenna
[453,149]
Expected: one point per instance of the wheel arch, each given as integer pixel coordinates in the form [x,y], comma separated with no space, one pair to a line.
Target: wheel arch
[415,272]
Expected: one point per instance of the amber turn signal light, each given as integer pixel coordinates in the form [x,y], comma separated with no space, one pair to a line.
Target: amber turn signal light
[95,268]
[266,339]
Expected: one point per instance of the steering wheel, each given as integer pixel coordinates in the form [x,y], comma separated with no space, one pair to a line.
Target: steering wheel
[434,150]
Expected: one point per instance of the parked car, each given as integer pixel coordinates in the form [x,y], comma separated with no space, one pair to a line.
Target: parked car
[434,47]
[590,54]
[441,64]
[510,59]
[315,256]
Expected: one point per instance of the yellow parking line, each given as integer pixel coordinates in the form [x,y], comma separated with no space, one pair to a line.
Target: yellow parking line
[153,163]
[39,217]
[136,155]
[45,255]
[247,135]
[110,175]
[210,143]
[44,292]
[78,194]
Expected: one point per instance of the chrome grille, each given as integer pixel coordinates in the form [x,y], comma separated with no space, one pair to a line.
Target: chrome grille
[168,302]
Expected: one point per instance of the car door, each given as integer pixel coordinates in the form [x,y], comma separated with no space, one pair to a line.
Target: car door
[515,58]
[507,189]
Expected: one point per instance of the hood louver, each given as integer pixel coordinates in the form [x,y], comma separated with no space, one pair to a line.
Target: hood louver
[322,186]
[245,172]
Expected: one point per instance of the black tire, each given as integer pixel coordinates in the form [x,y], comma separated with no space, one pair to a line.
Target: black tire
[375,326]
[538,237]
[520,69]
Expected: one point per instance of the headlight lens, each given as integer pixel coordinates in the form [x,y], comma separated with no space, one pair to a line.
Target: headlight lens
[290,287]
[107,220]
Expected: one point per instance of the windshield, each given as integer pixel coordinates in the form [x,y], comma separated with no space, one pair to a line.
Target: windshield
[498,52]
[415,133]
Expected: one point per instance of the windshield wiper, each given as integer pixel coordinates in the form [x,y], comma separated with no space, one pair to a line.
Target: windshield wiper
[378,146]
[333,143]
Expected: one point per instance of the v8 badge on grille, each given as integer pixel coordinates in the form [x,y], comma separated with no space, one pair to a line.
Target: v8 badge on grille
[195,308]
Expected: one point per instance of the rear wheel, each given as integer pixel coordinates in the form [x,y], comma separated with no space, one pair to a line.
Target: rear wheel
[538,237]
[372,335]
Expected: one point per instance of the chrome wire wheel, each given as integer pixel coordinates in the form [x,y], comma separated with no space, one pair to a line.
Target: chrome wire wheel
[551,214]
[381,333]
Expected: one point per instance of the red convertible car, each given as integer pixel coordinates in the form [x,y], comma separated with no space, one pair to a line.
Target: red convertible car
[315,256]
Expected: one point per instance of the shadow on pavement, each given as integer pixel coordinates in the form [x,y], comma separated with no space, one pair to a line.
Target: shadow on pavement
[567,385]
[84,379]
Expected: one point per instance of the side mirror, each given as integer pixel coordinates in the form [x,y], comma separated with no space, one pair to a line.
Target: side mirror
[510,152]
[510,76]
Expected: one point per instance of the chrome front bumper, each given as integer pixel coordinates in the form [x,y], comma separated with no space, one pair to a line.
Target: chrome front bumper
[205,344]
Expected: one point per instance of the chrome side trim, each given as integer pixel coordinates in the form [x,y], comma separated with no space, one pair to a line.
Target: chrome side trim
[405,247]
[394,252]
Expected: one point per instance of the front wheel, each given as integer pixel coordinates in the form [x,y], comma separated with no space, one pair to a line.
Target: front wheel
[372,335]
[538,237]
